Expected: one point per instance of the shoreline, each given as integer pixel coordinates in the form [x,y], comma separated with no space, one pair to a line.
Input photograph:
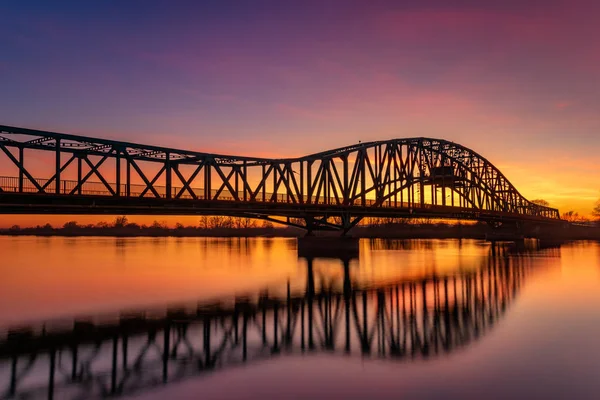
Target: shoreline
[413,232]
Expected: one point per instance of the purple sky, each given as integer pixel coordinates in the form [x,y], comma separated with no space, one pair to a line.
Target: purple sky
[518,83]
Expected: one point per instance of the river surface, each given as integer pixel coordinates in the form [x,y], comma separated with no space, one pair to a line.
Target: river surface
[487,323]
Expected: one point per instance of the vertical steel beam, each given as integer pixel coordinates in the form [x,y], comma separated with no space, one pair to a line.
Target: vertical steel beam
[22,162]
[128,179]
[168,176]
[302,191]
[57,164]
[346,188]
[309,183]
[245,181]
[79,174]
[363,177]
[237,182]
[118,171]
[264,181]
[275,186]
[207,173]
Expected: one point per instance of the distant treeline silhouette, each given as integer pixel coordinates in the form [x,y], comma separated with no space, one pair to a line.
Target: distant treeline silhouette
[234,226]
[226,226]
[121,226]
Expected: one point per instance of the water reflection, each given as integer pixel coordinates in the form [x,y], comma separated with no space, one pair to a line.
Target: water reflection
[413,316]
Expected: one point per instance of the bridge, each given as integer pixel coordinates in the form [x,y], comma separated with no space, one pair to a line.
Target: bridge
[57,173]
[416,318]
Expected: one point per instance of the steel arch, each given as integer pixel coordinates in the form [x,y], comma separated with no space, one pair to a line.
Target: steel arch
[421,177]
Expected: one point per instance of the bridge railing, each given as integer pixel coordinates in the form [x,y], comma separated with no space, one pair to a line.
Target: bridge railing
[72,187]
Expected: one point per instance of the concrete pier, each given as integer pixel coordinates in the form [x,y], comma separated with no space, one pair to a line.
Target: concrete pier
[328,247]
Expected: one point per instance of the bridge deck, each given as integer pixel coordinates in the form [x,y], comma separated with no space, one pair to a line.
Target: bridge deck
[102,202]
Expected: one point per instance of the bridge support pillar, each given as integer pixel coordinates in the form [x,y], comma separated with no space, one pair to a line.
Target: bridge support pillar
[504,232]
[328,246]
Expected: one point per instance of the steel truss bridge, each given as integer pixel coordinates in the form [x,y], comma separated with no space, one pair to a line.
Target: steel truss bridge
[114,355]
[57,173]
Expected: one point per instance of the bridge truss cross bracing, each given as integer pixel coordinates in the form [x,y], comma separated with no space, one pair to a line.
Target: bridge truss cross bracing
[415,177]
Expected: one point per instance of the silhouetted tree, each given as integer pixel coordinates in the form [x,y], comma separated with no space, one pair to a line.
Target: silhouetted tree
[158,225]
[71,225]
[204,222]
[596,210]
[219,221]
[541,202]
[573,216]
[244,223]
[120,222]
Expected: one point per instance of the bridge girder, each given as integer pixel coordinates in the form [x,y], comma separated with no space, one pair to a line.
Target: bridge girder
[415,176]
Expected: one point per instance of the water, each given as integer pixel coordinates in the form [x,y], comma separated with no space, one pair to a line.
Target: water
[528,325]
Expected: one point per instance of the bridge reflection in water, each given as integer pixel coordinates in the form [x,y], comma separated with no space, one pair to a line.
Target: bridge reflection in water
[115,355]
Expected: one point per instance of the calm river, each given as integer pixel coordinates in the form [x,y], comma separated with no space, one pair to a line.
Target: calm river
[423,319]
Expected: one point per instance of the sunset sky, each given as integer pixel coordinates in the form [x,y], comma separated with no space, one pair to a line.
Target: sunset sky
[517,81]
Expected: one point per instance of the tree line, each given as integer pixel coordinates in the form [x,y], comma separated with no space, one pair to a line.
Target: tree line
[123,224]
[574,216]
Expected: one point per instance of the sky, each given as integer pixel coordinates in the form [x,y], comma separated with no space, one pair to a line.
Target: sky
[518,82]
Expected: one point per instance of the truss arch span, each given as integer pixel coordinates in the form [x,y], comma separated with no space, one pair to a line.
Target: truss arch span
[420,172]
[421,177]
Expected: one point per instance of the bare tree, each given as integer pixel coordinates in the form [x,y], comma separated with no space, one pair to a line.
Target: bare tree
[158,225]
[204,222]
[573,216]
[70,225]
[121,221]
[541,202]
[244,223]
[219,221]
[596,210]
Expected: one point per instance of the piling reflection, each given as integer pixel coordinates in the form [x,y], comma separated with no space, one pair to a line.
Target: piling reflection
[413,318]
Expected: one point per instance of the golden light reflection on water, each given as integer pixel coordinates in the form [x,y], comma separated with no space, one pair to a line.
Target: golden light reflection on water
[51,277]
[524,311]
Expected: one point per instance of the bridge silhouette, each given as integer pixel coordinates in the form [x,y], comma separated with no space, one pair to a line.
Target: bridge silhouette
[123,353]
[56,173]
